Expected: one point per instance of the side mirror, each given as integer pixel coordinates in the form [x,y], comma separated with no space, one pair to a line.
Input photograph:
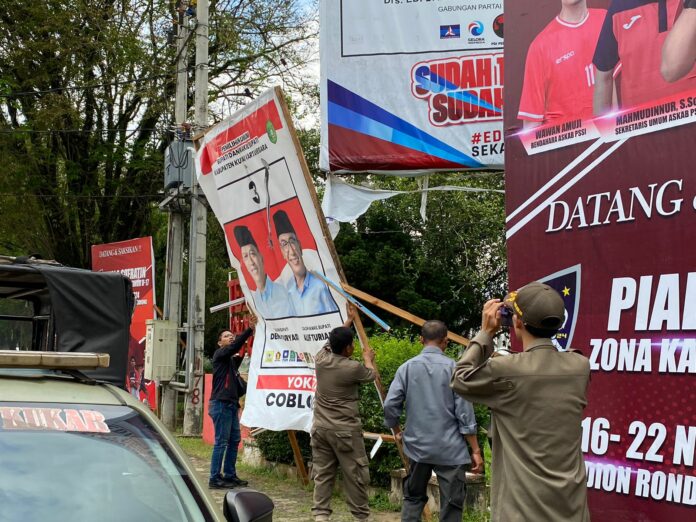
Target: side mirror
[247,505]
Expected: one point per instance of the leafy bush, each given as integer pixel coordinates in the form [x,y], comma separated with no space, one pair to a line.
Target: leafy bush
[275,446]
[391,351]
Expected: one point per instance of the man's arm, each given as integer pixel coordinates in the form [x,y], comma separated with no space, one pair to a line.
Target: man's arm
[606,58]
[365,372]
[237,344]
[464,412]
[603,92]
[476,455]
[394,401]
[532,107]
[679,49]
[473,377]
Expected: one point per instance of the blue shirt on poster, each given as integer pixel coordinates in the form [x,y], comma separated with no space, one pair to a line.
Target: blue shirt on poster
[273,302]
[313,298]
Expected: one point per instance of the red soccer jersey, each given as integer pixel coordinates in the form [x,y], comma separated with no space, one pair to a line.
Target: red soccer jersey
[634,32]
[559,74]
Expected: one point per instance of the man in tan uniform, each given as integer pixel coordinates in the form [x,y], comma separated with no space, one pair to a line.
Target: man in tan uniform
[536,398]
[337,430]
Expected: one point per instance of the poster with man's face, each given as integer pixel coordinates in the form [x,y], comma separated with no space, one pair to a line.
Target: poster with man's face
[251,173]
[601,204]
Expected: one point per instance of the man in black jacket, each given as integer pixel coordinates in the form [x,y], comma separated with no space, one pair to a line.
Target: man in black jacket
[224,408]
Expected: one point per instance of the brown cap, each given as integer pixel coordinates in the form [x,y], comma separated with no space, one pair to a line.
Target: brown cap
[537,305]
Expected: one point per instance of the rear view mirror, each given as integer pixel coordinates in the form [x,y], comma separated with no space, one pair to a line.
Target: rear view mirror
[247,505]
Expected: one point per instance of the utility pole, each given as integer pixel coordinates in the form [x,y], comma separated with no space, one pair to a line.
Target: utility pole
[175,231]
[197,243]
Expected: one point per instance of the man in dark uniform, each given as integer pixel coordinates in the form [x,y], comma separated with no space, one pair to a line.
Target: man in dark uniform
[224,408]
[537,399]
[337,431]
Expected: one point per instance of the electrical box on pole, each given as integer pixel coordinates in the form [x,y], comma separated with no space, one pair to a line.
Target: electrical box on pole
[178,165]
[161,348]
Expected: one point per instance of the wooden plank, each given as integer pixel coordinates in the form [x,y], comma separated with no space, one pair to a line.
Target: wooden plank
[398,311]
[299,461]
[374,436]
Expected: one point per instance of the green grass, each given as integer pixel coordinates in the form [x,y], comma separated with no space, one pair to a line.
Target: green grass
[195,447]
[380,502]
[476,516]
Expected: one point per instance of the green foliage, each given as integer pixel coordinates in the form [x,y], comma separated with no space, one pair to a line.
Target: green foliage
[275,446]
[380,502]
[444,268]
[86,108]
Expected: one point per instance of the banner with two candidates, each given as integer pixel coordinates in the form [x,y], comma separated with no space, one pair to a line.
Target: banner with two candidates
[601,204]
[253,173]
[411,86]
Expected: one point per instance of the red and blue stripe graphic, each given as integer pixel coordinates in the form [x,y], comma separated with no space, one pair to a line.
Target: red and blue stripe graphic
[364,136]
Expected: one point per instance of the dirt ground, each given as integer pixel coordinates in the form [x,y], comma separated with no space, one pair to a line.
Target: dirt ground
[292,501]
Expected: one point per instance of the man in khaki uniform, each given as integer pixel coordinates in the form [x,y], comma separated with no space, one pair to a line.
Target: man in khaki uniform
[337,430]
[536,399]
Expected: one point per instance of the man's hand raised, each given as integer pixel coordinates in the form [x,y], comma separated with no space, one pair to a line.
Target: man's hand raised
[490,318]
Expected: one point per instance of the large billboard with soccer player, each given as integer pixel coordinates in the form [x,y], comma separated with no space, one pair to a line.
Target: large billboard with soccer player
[601,204]
[253,174]
[410,87]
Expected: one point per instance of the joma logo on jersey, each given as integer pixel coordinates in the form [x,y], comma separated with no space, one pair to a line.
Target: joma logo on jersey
[460,90]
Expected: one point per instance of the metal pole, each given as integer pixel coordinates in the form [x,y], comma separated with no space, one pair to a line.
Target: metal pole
[193,411]
[173,285]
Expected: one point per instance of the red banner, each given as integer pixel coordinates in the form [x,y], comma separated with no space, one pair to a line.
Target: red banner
[134,259]
[601,206]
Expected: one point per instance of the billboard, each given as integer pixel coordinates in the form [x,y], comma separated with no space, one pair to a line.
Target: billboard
[409,87]
[135,259]
[601,203]
[253,174]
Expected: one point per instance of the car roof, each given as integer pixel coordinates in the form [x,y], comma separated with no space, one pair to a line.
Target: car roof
[49,386]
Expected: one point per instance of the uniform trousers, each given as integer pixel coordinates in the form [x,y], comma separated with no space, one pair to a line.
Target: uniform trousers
[452,483]
[331,449]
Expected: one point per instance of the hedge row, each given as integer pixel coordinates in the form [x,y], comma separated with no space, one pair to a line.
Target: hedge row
[391,352]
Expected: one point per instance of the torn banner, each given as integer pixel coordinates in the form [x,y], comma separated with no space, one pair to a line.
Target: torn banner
[344,202]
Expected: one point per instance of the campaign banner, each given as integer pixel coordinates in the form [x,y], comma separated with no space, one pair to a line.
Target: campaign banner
[604,211]
[254,176]
[411,86]
[134,259]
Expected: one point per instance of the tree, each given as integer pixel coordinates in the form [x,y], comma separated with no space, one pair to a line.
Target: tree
[443,268]
[86,102]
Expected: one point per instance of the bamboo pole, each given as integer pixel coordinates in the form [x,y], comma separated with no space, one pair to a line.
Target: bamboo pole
[299,461]
[398,311]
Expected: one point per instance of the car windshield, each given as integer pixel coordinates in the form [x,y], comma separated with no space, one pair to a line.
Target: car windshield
[89,462]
